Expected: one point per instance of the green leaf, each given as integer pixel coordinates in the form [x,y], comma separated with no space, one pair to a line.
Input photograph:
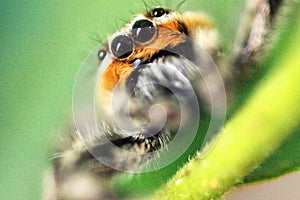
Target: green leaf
[283,160]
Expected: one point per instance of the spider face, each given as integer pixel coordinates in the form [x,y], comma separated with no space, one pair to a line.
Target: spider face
[149,38]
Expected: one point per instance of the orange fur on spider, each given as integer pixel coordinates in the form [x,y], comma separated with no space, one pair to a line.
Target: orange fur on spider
[117,71]
[114,73]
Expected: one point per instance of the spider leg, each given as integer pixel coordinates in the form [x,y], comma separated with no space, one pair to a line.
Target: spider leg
[253,34]
[76,166]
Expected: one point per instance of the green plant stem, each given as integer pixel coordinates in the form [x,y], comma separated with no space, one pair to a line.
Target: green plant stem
[259,128]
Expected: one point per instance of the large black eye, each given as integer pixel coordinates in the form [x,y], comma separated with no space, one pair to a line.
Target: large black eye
[158,12]
[121,46]
[101,54]
[143,30]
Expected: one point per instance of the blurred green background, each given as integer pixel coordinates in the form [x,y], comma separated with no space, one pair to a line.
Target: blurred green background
[43,44]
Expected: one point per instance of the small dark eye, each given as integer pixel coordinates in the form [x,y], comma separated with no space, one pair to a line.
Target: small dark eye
[101,54]
[158,12]
[121,46]
[143,30]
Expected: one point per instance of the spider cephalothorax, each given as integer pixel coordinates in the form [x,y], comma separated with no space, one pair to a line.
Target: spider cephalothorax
[153,35]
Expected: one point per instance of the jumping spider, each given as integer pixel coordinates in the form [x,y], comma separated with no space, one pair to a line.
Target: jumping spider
[161,57]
